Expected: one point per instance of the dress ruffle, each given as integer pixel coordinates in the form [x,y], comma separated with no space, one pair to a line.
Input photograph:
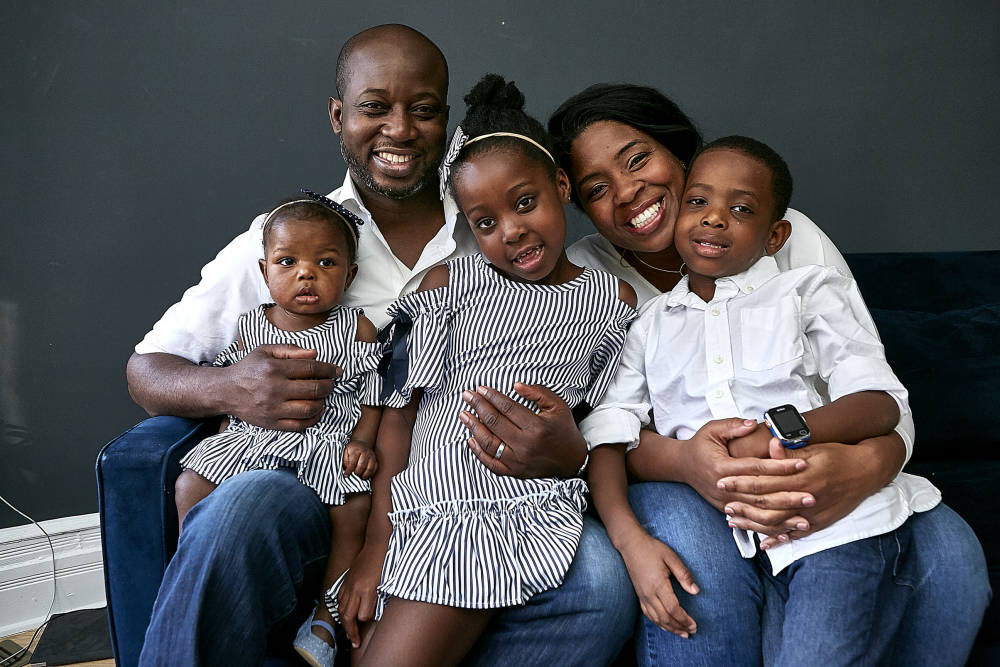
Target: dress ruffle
[480,541]
[317,453]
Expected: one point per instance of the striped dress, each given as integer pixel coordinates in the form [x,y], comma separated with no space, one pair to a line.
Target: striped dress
[317,453]
[463,536]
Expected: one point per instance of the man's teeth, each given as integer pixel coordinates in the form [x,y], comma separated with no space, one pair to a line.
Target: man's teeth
[394,158]
[641,220]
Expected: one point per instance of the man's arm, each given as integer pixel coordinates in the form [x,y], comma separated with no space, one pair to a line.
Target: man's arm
[275,386]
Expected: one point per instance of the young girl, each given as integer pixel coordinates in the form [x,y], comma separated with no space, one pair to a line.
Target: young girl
[310,245]
[465,541]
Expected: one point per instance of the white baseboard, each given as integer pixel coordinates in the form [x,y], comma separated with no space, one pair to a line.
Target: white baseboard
[26,571]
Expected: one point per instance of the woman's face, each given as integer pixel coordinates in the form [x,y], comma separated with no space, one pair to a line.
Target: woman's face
[629,184]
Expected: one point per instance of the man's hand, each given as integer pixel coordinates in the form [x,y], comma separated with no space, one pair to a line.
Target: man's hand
[279,387]
[544,445]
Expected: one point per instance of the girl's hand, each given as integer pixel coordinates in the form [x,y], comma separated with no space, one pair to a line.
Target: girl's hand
[359,459]
[651,563]
[544,445]
[357,596]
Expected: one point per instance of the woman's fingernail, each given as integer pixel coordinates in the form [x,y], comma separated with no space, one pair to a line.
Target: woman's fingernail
[764,546]
[808,501]
[730,511]
[467,396]
[802,525]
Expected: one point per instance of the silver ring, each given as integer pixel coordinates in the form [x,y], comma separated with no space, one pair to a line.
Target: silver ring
[499,452]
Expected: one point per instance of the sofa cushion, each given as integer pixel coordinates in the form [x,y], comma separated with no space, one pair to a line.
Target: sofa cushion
[949,362]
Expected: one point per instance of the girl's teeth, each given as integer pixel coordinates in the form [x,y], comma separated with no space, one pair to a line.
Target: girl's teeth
[641,220]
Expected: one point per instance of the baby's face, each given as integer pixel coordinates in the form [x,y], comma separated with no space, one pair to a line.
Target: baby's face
[726,214]
[307,267]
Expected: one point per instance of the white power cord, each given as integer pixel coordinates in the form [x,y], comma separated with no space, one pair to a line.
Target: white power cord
[48,614]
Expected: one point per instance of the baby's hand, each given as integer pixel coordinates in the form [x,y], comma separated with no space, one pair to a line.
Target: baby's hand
[650,565]
[359,459]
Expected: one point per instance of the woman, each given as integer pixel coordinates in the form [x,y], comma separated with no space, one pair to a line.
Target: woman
[625,148]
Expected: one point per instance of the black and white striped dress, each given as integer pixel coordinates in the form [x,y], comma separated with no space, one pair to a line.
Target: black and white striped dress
[317,453]
[463,536]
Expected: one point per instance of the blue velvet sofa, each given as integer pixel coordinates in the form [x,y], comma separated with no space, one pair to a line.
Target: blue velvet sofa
[938,315]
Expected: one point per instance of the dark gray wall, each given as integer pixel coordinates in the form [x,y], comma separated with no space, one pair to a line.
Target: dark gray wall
[137,140]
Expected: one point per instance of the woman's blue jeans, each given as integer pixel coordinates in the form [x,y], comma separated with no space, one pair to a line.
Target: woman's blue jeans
[261,538]
[928,612]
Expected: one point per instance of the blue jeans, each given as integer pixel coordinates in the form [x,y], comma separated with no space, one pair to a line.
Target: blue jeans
[929,615]
[252,555]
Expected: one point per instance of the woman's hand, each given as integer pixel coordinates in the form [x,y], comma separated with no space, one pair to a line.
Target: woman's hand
[544,445]
[357,596]
[837,476]
[704,459]
[650,564]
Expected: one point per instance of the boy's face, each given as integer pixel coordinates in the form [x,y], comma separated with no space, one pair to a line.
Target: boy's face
[726,221]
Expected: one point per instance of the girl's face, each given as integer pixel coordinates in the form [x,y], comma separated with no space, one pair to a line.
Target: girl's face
[307,266]
[629,184]
[515,209]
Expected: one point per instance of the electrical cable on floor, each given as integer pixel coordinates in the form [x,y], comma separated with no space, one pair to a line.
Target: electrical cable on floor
[48,614]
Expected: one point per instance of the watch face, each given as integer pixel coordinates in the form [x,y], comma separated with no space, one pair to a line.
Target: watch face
[788,421]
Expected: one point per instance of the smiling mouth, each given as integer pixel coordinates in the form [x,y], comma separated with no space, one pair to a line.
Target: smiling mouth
[645,217]
[712,244]
[527,255]
[393,158]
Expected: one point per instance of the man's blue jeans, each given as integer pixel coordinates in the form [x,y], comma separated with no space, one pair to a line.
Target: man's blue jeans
[928,613]
[261,537]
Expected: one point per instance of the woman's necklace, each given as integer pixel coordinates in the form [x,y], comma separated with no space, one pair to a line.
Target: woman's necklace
[679,271]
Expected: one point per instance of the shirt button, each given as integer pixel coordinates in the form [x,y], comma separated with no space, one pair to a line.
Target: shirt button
[718,359]
[749,288]
[718,393]
[715,311]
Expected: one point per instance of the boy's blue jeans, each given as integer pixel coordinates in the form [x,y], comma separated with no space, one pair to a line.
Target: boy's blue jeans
[922,605]
[261,537]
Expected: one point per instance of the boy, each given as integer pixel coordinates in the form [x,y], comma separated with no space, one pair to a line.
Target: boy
[736,338]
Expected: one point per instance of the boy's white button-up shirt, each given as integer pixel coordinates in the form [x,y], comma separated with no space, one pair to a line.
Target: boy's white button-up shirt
[767,338]
[203,322]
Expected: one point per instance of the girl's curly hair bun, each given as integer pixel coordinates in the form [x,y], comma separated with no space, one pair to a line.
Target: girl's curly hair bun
[495,91]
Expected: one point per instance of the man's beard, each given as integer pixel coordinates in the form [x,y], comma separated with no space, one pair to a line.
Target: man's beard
[364,177]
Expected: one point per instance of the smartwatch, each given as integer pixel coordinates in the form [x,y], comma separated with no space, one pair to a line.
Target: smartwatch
[788,426]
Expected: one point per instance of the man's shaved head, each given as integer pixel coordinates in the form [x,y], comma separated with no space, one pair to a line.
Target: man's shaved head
[400,35]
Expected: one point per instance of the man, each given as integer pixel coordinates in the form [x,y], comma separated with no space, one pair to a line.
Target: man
[261,538]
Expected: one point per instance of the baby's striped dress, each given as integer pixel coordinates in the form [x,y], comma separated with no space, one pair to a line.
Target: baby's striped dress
[317,453]
[463,536]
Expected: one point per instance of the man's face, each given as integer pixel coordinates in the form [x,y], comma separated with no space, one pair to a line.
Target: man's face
[392,118]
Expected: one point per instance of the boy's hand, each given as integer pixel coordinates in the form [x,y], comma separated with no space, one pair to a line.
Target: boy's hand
[357,596]
[650,565]
[755,444]
[359,459]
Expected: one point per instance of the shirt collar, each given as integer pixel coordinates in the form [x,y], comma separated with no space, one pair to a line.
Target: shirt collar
[347,194]
[747,282]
